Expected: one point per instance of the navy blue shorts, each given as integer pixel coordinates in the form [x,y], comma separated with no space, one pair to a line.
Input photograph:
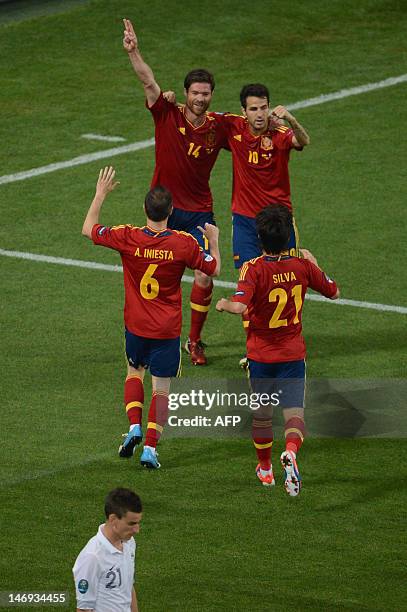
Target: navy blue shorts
[287,379]
[246,244]
[187,221]
[163,357]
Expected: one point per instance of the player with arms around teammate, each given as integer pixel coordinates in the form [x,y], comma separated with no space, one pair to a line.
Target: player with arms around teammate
[261,147]
[187,142]
[154,258]
[273,288]
[104,570]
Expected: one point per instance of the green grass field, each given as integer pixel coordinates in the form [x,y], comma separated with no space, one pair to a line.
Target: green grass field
[212,537]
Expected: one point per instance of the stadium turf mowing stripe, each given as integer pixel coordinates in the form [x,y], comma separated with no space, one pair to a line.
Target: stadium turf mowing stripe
[13,11]
[189,279]
[64,467]
[136,146]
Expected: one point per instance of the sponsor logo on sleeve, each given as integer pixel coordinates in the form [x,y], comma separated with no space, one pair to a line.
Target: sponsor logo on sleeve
[83,586]
[208,258]
[239,293]
[102,230]
[328,279]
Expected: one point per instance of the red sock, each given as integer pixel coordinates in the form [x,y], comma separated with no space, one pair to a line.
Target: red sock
[157,418]
[262,434]
[200,304]
[134,398]
[294,434]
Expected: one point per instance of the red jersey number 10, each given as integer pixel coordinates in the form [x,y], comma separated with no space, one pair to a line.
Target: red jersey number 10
[253,157]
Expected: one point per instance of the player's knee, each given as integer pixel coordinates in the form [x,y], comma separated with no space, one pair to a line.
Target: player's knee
[263,420]
[135,371]
[290,413]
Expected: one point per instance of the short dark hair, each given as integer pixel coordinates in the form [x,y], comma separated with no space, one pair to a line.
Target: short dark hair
[273,225]
[120,500]
[253,89]
[158,203]
[199,75]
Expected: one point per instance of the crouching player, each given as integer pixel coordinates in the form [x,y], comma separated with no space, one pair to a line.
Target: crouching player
[273,288]
[154,258]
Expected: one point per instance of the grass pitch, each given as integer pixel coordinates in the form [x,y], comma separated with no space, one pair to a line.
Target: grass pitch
[212,537]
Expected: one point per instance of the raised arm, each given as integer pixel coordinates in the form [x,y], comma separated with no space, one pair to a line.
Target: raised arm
[300,138]
[211,233]
[104,185]
[143,70]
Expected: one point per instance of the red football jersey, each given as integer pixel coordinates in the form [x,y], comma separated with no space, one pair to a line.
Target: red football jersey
[260,166]
[185,155]
[274,290]
[153,264]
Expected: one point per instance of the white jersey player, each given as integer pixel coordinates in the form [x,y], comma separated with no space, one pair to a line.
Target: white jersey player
[105,567]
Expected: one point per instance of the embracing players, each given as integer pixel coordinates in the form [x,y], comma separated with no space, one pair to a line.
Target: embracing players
[261,146]
[187,142]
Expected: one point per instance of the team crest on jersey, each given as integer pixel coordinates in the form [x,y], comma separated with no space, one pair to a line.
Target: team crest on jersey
[210,139]
[83,586]
[266,143]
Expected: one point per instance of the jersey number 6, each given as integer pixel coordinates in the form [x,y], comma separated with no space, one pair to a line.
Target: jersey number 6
[149,286]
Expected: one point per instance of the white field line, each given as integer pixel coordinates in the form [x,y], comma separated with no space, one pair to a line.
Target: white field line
[105,138]
[85,159]
[345,93]
[189,279]
[76,161]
